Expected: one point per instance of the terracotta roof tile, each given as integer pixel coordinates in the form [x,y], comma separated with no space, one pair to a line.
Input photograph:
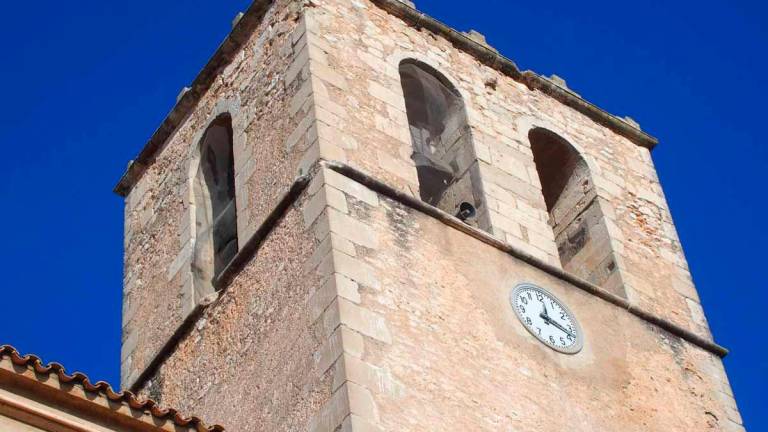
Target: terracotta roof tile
[125,397]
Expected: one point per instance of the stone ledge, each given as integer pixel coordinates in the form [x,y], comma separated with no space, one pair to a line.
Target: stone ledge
[416,204]
[348,176]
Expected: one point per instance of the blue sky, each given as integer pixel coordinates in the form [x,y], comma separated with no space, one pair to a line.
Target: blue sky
[86,83]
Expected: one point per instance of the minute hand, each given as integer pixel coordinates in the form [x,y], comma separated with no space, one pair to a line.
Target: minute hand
[556,324]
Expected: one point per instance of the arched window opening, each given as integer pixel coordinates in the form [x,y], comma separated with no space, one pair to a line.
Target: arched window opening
[574,210]
[215,208]
[442,146]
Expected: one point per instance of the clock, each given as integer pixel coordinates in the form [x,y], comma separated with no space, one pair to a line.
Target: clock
[547,318]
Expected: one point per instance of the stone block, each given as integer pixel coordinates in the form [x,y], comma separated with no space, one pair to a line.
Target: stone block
[352,229]
[363,321]
[386,95]
[328,75]
[332,413]
[355,270]
[299,67]
[336,199]
[298,134]
[358,371]
[314,207]
[129,344]
[351,187]
[336,285]
[510,183]
[184,257]
[354,423]
[329,352]
[361,402]
[506,224]
[397,167]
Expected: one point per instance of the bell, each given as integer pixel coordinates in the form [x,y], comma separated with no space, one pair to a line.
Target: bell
[466,211]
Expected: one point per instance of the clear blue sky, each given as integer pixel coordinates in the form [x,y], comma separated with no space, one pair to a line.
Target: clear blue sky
[85,84]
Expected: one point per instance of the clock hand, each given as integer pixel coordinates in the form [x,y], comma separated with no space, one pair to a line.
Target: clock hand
[556,324]
[545,309]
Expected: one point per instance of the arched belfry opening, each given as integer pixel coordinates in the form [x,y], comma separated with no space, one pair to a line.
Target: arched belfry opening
[215,209]
[442,143]
[575,215]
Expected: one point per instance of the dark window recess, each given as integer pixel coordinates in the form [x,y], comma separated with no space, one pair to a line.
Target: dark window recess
[574,209]
[442,147]
[216,210]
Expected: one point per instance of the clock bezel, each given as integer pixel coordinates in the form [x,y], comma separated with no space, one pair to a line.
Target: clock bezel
[573,349]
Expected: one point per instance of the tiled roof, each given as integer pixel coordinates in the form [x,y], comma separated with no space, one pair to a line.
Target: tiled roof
[124,397]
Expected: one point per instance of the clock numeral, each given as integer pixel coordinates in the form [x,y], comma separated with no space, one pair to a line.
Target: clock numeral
[562,341]
[524,300]
[528,321]
[538,329]
[563,316]
[552,340]
[539,297]
[522,308]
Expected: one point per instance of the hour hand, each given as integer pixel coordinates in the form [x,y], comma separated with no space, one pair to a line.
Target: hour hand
[556,324]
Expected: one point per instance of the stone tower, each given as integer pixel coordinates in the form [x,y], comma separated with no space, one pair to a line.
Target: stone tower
[325,232]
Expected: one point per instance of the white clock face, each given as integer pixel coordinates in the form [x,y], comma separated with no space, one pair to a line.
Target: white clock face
[547,318]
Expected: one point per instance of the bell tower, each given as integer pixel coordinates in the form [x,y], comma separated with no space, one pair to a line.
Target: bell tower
[357,218]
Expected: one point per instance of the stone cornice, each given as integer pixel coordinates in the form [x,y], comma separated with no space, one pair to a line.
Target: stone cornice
[532,80]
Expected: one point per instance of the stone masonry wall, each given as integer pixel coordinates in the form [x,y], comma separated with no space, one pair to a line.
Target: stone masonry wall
[269,354]
[267,92]
[428,341]
[363,122]
[360,312]
[249,363]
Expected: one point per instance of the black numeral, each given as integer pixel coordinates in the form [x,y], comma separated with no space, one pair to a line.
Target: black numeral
[538,329]
[528,321]
[551,339]
[539,297]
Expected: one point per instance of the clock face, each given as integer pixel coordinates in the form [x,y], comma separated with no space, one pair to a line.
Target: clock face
[547,318]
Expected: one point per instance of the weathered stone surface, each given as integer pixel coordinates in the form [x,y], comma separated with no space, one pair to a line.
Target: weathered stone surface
[636,213]
[254,91]
[257,345]
[457,348]
[357,313]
